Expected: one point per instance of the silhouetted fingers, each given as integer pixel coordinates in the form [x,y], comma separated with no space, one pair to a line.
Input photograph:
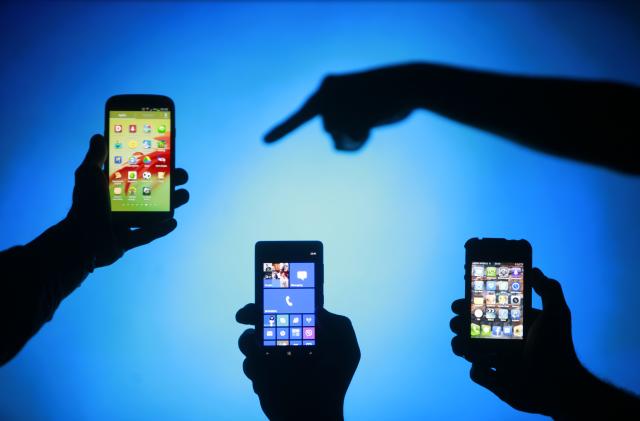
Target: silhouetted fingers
[247,315]
[249,369]
[247,343]
[180,176]
[309,110]
[488,378]
[550,291]
[180,197]
[459,347]
[459,306]
[457,324]
[146,234]
[97,153]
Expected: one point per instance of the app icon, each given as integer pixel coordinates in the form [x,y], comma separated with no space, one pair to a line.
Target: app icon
[283,333]
[160,175]
[146,160]
[515,286]
[282,343]
[485,330]
[496,330]
[478,313]
[506,330]
[283,320]
[478,301]
[516,272]
[146,175]
[503,272]
[146,144]
[133,159]
[491,272]
[301,274]
[477,270]
[490,313]
[117,128]
[269,343]
[162,128]
[490,298]
[133,144]
[117,175]
[132,128]
[309,332]
[503,285]
[288,300]
[161,144]
[132,191]
[118,145]
[515,314]
[117,191]
[309,320]
[516,299]
[269,333]
[162,159]
[147,128]
[478,285]
[146,191]
[503,314]
[269,320]
[117,159]
[296,320]
[309,343]
[132,175]
[296,332]
[475,329]
[491,285]
[503,299]
[295,343]
[518,331]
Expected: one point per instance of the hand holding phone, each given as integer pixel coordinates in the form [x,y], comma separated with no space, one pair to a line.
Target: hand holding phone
[295,385]
[542,371]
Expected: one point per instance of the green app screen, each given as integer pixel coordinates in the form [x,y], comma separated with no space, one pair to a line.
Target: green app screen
[139,161]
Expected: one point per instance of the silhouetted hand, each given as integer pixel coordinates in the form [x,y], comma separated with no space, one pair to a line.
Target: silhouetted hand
[302,386]
[351,105]
[539,379]
[90,214]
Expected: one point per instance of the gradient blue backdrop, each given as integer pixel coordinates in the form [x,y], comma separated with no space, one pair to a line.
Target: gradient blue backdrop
[154,335]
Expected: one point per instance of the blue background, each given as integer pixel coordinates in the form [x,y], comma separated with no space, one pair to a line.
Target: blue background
[154,336]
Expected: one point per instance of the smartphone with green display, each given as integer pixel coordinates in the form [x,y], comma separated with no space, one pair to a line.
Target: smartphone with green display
[140,133]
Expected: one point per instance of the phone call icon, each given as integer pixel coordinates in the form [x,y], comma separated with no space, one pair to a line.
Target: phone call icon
[288,300]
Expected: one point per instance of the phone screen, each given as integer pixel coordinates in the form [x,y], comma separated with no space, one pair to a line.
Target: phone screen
[289,305]
[139,160]
[497,300]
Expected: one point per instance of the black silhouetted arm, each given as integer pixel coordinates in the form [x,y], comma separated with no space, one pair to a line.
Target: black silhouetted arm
[35,279]
[589,121]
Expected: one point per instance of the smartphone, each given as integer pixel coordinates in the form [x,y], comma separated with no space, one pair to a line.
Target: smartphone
[140,133]
[289,292]
[497,293]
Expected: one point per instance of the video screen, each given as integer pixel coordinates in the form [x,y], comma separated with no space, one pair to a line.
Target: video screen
[497,300]
[139,160]
[289,304]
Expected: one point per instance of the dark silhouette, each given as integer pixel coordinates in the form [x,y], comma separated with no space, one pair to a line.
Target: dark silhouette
[546,377]
[38,276]
[590,121]
[302,386]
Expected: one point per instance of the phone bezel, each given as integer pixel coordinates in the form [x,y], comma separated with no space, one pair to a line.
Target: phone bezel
[288,251]
[497,250]
[132,102]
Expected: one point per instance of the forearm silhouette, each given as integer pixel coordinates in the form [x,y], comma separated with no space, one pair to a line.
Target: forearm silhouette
[588,121]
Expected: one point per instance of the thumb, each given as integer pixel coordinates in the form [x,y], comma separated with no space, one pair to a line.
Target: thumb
[550,291]
[97,153]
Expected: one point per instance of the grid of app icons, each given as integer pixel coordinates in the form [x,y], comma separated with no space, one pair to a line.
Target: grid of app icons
[289,304]
[497,308]
[139,164]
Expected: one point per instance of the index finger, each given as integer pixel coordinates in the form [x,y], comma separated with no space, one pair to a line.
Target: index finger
[309,110]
